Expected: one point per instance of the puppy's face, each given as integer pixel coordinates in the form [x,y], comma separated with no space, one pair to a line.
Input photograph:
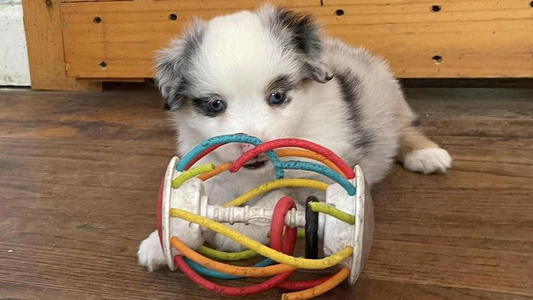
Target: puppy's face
[242,73]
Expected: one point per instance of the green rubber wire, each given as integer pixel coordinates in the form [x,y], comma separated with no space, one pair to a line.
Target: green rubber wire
[332,211]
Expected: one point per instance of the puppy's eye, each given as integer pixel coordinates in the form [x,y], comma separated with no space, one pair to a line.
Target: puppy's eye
[277,98]
[217,106]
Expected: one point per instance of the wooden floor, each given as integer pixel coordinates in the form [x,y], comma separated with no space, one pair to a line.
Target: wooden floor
[79,174]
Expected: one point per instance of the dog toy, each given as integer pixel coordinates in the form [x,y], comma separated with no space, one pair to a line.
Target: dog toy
[344,221]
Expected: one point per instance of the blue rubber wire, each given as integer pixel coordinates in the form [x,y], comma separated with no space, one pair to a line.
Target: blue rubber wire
[229,138]
[278,164]
[219,275]
[321,169]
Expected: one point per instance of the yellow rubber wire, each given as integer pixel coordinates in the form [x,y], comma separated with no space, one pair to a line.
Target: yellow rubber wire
[234,256]
[205,172]
[265,251]
[275,184]
[226,268]
[332,211]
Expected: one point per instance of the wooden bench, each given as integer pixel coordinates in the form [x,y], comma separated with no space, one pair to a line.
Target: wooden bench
[77,44]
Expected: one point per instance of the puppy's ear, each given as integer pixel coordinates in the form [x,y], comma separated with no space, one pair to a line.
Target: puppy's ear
[317,71]
[169,76]
[171,65]
[299,33]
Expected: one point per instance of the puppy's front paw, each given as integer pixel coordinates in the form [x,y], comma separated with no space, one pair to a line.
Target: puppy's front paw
[150,254]
[257,233]
[428,160]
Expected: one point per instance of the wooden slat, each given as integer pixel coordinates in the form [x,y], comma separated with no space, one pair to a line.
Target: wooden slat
[474,38]
[44,37]
[77,1]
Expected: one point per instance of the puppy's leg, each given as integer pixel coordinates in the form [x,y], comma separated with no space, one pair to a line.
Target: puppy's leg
[417,152]
[150,254]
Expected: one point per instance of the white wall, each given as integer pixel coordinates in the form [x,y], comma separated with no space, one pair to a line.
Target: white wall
[14,69]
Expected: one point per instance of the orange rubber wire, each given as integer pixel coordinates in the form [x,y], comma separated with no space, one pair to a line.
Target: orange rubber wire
[225,268]
[319,289]
[218,169]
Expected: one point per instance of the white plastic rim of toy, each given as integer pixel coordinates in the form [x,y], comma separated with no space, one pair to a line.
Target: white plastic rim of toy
[364,226]
[170,174]
[339,234]
[187,197]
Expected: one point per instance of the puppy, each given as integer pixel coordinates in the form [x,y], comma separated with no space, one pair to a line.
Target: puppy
[271,74]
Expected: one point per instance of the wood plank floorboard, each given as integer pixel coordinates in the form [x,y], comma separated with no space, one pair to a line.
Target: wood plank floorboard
[79,174]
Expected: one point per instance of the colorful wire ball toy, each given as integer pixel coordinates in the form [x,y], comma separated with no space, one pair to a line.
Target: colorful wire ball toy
[345,220]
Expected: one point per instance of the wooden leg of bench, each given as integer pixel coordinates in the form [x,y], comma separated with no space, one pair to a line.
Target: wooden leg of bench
[42,22]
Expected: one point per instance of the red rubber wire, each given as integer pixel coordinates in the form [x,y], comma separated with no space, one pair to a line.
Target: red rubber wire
[282,243]
[303,284]
[282,282]
[287,142]
[286,244]
[227,290]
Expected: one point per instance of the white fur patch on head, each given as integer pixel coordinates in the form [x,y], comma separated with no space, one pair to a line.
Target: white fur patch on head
[428,160]
[238,57]
[238,62]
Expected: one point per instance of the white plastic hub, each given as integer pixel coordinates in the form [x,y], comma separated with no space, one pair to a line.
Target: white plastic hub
[339,234]
[255,215]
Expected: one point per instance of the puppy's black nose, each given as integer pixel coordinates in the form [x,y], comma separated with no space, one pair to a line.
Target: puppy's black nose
[166,107]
